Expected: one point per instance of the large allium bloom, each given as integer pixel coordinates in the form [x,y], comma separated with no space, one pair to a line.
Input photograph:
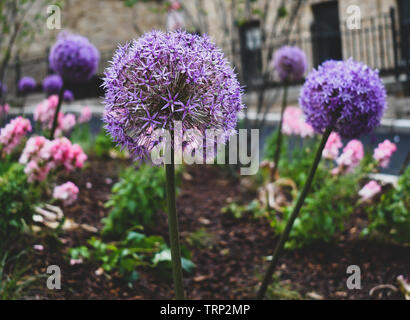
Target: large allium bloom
[26,85]
[68,96]
[74,58]
[66,192]
[290,63]
[345,95]
[166,77]
[52,84]
[383,153]
[13,133]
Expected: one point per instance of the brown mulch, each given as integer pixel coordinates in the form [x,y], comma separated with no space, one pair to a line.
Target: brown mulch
[231,264]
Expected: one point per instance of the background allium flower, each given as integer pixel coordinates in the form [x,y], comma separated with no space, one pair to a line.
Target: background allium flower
[74,58]
[85,115]
[26,85]
[3,89]
[347,95]
[369,190]
[67,192]
[295,124]
[290,63]
[68,96]
[12,134]
[383,153]
[52,84]
[352,154]
[163,77]
[333,144]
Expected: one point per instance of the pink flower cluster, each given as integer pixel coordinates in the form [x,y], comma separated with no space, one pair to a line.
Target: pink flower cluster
[295,124]
[12,134]
[4,110]
[383,153]
[66,192]
[332,147]
[44,113]
[42,155]
[352,154]
[369,190]
[85,115]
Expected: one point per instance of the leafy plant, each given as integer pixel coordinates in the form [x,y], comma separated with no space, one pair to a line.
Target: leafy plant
[17,201]
[125,257]
[135,199]
[391,216]
[103,144]
[82,136]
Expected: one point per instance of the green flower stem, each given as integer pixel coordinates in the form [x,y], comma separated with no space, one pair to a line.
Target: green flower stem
[60,101]
[279,130]
[173,230]
[301,199]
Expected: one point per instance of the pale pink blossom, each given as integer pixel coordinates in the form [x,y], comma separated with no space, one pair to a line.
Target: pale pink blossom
[85,115]
[352,154]
[383,153]
[332,147]
[4,110]
[369,190]
[295,124]
[13,133]
[38,247]
[73,262]
[68,122]
[67,192]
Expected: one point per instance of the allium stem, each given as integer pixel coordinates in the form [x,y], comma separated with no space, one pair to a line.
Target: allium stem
[280,136]
[60,101]
[173,230]
[301,199]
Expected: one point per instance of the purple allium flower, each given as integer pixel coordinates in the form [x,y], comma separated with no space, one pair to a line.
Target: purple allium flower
[166,77]
[68,96]
[52,84]
[346,95]
[26,84]
[3,89]
[74,58]
[290,63]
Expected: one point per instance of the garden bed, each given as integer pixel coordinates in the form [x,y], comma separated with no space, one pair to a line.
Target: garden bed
[227,251]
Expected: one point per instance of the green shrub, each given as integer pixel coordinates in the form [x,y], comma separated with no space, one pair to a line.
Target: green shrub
[82,136]
[125,257]
[17,201]
[135,199]
[391,216]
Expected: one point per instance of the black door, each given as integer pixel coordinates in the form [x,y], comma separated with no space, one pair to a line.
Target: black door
[327,41]
[404,18]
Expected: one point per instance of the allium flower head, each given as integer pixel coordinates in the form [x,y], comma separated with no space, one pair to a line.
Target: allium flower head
[290,63]
[27,84]
[67,192]
[345,95]
[13,133]
[68,96]
[52,84]
[165,77]
[74,58]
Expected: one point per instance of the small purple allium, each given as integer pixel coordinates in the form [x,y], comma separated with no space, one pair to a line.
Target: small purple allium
[290,63]
[74,58]
[52,84]
[345,95]
[165,77]
[68,96]
[3,89]
[26,85]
